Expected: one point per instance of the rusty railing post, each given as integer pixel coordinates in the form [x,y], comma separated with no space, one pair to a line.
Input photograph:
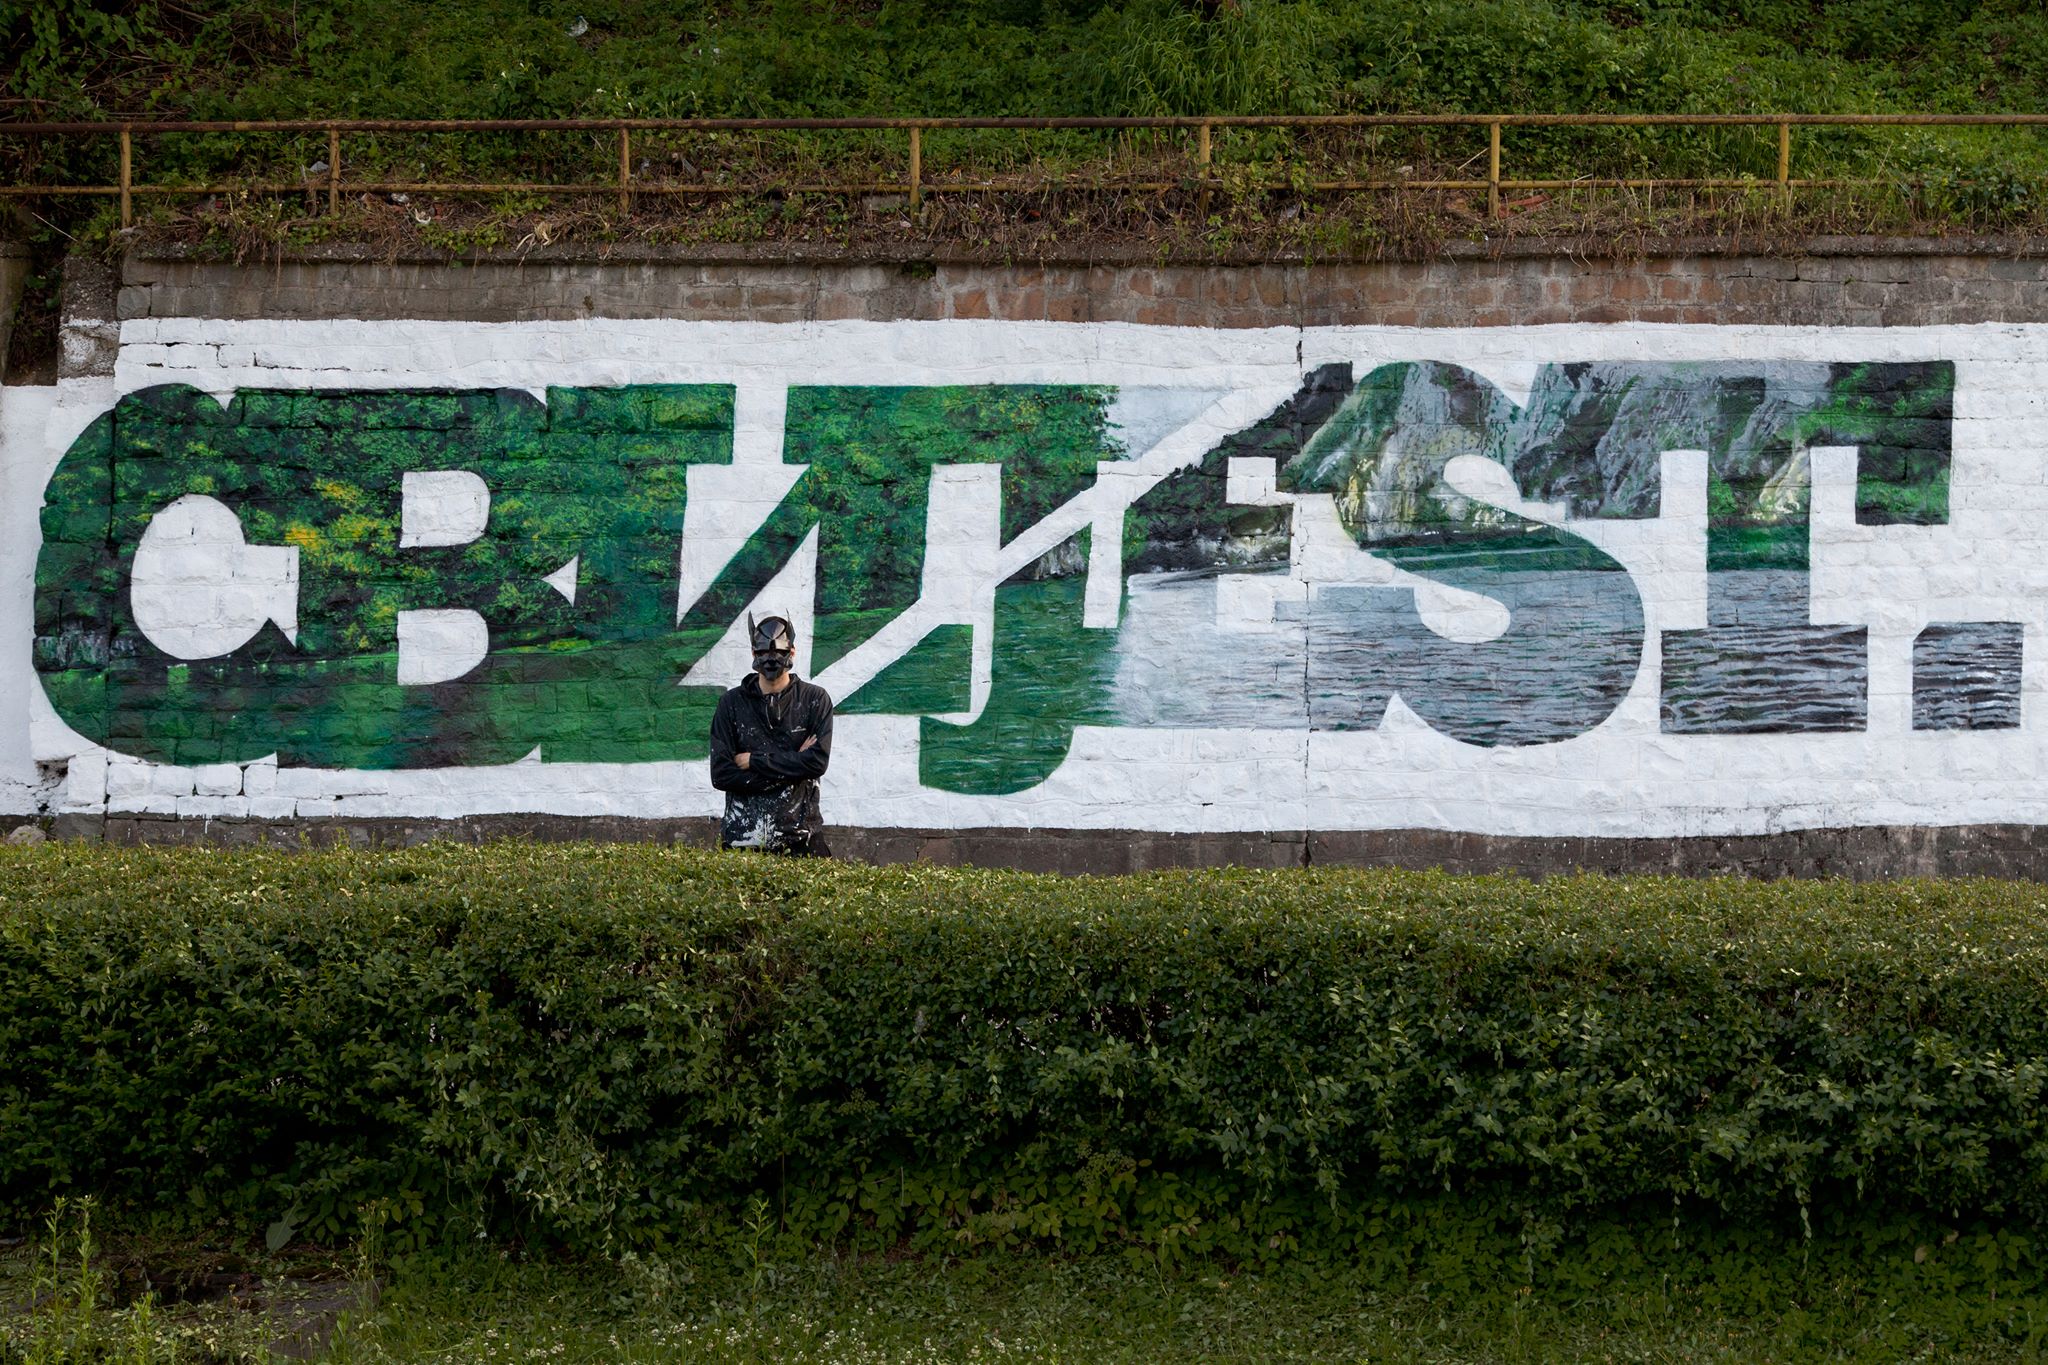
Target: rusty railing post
[1493,169]
[1785,161]
[127,178]
[1202,161]
[334,170]
[916,170]
[625,172]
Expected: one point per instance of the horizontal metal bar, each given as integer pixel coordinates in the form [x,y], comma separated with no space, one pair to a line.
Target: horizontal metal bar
[612,187]
[522,187]
[333,128]
[480,187]
[1343,186]
[1705,183]
[901,187]
[147,127]
[1325,186]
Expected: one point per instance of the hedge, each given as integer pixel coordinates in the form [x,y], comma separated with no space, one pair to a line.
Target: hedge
[609,1047]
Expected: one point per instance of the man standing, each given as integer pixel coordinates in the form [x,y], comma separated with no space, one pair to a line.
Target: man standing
[771,740]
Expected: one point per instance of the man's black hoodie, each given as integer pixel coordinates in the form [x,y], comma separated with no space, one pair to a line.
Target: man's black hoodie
[772,803]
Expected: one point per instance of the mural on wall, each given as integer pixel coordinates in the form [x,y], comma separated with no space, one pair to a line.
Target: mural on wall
[385,579]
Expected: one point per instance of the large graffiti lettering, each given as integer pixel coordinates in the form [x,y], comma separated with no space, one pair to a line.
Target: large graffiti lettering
[390,579]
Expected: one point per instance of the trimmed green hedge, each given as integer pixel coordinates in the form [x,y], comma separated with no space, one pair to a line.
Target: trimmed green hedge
[617,1046]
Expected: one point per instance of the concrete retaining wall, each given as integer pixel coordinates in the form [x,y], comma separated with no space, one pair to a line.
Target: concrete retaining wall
[1698,561]
[1848,282]
[2005,851]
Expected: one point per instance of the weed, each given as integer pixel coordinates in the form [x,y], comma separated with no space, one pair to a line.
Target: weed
[69,1316]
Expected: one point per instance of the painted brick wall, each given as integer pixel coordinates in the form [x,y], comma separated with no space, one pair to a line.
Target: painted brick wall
[1575,558]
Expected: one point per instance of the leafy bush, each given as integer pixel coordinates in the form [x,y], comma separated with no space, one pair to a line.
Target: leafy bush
[612,1047]
[110,60]
[1162,57]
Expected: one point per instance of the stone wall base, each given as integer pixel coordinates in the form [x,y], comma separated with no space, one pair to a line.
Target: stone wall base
[1868,853]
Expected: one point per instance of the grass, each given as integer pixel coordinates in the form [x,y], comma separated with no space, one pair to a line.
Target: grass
[1040,1309]
[258,59]
[559,58]
[255,59]
[748,1301]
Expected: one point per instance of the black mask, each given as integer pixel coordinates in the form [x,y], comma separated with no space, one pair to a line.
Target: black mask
[774,645]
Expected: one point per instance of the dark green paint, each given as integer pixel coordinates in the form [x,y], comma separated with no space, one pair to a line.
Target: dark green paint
[1052,674]
[601,475]
[934,677]
[598,474]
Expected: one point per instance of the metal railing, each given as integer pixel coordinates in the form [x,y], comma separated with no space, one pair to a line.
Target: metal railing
[916,185]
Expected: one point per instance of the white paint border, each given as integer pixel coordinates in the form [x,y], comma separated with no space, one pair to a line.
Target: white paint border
[1622,779]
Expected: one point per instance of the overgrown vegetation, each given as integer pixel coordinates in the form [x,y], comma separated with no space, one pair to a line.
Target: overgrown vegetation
[756,1297]
[1008,195]
[596,1047]
[723,1107]
[60,1304]
[542,58]
[89,59]
[1683,1119]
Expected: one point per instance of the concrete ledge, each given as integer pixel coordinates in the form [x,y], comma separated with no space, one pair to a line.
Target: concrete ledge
[1832,282]
[1868,853]
[1615,247]
[89,332]
[1865,853]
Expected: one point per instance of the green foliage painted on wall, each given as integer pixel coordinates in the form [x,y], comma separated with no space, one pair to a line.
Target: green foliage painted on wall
[934,677]
[1052,674]
[871,451]
[574,577]
[596,476]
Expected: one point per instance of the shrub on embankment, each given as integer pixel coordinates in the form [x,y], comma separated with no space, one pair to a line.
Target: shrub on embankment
[622,1046]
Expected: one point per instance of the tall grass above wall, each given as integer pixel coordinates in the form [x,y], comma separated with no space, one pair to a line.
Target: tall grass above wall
[251,59]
